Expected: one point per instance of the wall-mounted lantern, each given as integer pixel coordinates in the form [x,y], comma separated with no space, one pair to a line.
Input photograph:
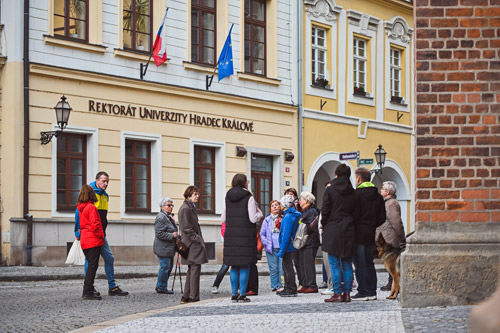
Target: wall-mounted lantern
[380,154]
[240,151]
[63,109]
[289,156]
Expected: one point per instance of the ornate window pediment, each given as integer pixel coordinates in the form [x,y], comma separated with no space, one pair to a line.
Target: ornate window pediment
[397,28]
[322,8]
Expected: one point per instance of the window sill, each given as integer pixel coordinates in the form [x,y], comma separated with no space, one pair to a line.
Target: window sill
[135,56]
[209,69]
[400,104]
[321,88]
[361,96]
[259,79]
[84,46]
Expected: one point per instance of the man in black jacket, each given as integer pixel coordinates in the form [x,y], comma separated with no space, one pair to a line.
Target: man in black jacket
[370,215]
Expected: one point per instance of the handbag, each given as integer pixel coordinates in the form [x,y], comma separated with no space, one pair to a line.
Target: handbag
[76,256]
[181,248]
[260,246]
[300,236]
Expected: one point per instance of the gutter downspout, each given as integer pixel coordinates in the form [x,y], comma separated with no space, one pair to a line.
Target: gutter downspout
[26,64]
[299,91]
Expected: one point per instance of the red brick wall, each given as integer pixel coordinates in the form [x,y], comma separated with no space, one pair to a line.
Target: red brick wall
[458,110]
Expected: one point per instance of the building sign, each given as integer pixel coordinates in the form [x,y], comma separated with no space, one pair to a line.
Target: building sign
[167,116]
[349,156]
[366,161]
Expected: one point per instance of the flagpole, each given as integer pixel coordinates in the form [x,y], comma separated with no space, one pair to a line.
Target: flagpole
[144,68]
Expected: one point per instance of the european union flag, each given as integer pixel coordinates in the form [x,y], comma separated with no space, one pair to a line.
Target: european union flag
[225,63]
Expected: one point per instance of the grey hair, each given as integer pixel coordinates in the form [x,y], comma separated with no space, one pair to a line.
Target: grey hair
[309,197]
[391,187]
[164,201]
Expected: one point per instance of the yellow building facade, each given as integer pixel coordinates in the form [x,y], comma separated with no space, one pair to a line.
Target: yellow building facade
[358,92]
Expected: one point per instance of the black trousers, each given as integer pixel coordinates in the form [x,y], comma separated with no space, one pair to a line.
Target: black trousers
[307,267]
[92,256]
[290,284]
[296,264]
[223,270]
[253,279]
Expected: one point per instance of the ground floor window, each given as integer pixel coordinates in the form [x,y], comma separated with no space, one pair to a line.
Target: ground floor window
[137,176]
[262,180]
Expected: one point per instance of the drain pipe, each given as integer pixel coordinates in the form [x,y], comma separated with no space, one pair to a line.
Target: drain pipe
[299,91]
[26,67]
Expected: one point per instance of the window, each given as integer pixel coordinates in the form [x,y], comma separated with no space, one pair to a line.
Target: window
[203,31]
[137,176]
[71,18]
[71,169]
[137,25]
[255,36]
[395,73]
[262,180]
[359,52]
[318,66]
[204,178]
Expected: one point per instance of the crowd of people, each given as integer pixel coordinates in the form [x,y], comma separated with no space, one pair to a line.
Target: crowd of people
[347,228]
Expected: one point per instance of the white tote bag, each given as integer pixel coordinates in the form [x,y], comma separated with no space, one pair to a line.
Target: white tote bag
[75,255]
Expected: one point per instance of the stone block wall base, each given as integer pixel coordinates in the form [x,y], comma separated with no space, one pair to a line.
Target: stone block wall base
[450,263]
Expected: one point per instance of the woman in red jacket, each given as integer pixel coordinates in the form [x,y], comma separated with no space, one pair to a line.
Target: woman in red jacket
[91,238]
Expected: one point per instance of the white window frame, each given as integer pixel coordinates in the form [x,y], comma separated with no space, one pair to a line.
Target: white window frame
[366,27]
[315,13]
[400,40]
[220,170]
[278,167]
[92,161]
[317,49]
[156,172]
[359,59]
[395,68]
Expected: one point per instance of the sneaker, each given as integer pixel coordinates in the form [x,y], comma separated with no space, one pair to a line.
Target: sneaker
[323,285]
[159,291]
[215,290]
[279,290]
[327,292]
[234,298]
[286,293]
[92,297]
[97,293]
[334,299]
[252,293]
[372,297]
[116,291]
[274,289]
[243,299]
[310,291]
[359,297]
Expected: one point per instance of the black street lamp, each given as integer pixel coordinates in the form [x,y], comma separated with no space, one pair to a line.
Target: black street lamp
[380,157]
[62,114]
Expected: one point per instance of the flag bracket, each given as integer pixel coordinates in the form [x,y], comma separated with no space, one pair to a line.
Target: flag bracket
[144,68]
[208,80]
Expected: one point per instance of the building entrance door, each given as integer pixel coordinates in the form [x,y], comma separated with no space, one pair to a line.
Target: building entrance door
[262,180]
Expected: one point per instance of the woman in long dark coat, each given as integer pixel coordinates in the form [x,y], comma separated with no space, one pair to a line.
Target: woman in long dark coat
[240,213]
[338,213]
[192,237]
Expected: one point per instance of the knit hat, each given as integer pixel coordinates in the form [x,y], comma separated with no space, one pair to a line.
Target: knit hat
[287,201]
[309,197]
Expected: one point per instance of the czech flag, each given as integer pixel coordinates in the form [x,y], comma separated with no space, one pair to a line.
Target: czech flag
[160,45]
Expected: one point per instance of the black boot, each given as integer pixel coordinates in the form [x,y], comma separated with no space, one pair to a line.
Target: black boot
[388,286]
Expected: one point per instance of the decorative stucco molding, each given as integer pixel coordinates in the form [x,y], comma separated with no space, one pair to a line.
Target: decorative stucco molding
[397,28]
[325,8]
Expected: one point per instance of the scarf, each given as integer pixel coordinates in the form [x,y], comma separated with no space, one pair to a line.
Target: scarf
[277,222]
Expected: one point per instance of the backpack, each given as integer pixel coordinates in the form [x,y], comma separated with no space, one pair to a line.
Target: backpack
[300,236]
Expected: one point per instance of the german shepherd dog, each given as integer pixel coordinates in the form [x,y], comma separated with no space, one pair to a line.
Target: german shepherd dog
[390,256]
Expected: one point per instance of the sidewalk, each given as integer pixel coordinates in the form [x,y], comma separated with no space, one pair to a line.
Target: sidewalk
[35,273]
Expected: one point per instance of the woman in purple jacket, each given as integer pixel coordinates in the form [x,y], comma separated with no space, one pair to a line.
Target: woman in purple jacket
[269,234]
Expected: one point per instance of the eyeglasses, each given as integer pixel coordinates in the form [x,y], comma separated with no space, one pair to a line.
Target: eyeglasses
[170,205]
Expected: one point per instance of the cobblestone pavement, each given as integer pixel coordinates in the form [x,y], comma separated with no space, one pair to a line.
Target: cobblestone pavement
[56,306]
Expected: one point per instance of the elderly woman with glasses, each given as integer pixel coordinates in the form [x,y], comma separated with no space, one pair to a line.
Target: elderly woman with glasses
[166,233]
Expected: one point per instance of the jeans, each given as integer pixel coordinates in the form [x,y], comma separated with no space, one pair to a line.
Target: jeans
[336,264]
[325,276]
[239,279]
[365,270]
[223,270]
[290,284]
[92,255]
[275,269]
[109,261]
[166,264]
